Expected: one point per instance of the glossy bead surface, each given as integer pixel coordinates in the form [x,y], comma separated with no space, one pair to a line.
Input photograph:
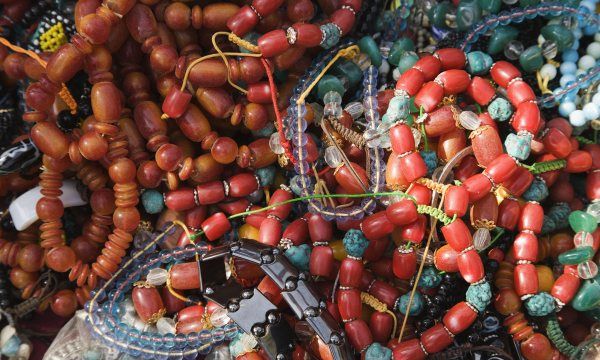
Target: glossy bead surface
[435,339]
[148,303]
[459,317]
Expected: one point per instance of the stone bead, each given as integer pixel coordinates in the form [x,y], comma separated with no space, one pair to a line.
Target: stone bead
[545,278]
[152,201]
[409,349]
[507,301]
[582,221]
[576,256]
[588,296]
[148,303]
[501,168]
[487,145]
[93,146]
[64,303]
[531,59]
[404,264]
[459,318]
[329,83]
[126,218]
[184,276]
[399,48]
[500,109]
[402,212]
[435,339]
[455,81]
[518,145]
[49,139]
[501,37]
[560,35]
[537,347]
[359,334]
[216,15]
[457,235]
[526,280]
[368,46]
[349,304]
[532,217]
[61,258]
[321,261]
[378,352]
[20,278]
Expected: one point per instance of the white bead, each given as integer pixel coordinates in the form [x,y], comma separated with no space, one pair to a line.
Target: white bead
[396,74]
[22,210]
[24,351]
[586,62]
[577,118]
[548,71]
[275,144]
[593,49]
[568,67]
[596,99]
[566,108]
[7,332]
[591,111]
[157,276]
[597,37]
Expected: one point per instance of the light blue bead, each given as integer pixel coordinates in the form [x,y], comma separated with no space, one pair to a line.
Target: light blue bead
[415,307]
[566,79]
[500,109]
[355,243]
[518,146]
[566,108]
[398,108]
[92,354]
[540,304]
[575,44]
[570,55]
[590,30]
[479,295]
[11,347]
[568,67]
[577,33]
[153,201]
[430,278]
[537,191]
[478,62]
[378,352]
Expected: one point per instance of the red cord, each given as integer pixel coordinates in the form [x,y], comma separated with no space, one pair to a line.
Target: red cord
[284,142]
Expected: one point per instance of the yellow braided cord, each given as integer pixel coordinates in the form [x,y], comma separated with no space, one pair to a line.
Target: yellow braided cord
[432,185]
[377,305]
[243,43]
[347,53]
[66,96]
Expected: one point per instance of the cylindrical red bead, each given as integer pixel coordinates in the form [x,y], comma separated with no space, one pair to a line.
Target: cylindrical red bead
[477,186]
[525,247]
[349,304]
[429,96]
[451,58]
[321,261]
[359,334]
[402,139]
[532,217]
[413,166]
[404,263]
[351,272]
[481,90]
[503,72]
[470,266]
[456,201]
[411,81]
[526,279]
[429,65]
[565,287]
[273,43]
[436,339]
[270,232]
[457,235]
[376,226]
[215,226]
[459,318]
[402,212]
[455,81]
[501,168]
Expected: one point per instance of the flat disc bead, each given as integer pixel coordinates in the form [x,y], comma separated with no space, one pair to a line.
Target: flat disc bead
[503,72]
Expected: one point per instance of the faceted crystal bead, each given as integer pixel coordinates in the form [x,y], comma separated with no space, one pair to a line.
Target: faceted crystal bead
[469,120]
[583,238]
[157,276]
[372,137]
[332,109]
[333,157]
[275,144]
[549,49]
[355,109]
[482,239]
[165,325]
[332,97]
[594,210]
[587,269]
[513,49]
[219,317]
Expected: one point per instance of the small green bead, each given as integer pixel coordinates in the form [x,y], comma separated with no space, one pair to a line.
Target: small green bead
[368,46]
[523,3]
[576,256]
[562,36]
[153,201]
[437,14]
[582,221]
[490,6]
[329,83]
[479,62]
[349,70]
[502,36]
[400,47]
[588,296]
[407,60]
[468,13]
[531,59]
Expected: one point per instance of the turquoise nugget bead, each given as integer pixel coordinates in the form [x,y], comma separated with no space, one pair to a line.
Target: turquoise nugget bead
[430,278]
[479,62]
[500,109]
[355,243]
[537,191]
[266,175]
[153,201]
[479,295]
[415,307]
[299,256]
[518,146]
[378,352]
[540,304]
